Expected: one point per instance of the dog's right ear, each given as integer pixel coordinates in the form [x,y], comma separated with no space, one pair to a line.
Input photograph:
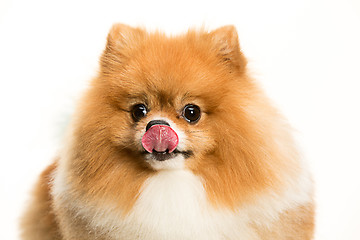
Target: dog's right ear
[122,35]
[121,41]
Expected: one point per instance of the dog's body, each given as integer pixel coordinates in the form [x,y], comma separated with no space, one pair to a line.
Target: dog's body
[174,141]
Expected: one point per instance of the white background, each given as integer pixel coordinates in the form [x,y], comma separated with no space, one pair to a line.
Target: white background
[306,54]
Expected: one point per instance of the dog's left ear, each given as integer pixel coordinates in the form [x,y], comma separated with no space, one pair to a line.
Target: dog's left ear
[228,48]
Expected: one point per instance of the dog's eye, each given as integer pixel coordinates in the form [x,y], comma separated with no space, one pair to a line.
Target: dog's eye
[191,113]
[138,111]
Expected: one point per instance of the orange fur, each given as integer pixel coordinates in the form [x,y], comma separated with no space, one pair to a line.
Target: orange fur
[296,224]
[242,149]
[39,221]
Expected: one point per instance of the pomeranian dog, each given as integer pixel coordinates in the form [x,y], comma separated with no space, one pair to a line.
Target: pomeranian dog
[174,140]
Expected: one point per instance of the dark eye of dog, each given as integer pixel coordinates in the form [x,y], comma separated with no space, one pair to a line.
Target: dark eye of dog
[191,113]
[138,111]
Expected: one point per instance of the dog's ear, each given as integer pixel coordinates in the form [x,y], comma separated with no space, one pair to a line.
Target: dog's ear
[228,47]
[123,36]
[121,41]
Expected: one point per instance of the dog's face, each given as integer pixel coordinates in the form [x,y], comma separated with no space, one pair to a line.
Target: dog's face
[173,103]
[169,96]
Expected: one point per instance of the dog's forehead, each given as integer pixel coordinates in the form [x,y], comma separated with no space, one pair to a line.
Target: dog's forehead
[170,73]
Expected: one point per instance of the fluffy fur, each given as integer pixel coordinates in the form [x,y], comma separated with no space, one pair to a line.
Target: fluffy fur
[244,178]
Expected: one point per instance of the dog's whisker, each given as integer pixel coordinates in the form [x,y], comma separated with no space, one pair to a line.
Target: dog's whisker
[201,137]
[196,131]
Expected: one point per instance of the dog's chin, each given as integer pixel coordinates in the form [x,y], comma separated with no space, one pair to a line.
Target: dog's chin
[166,161]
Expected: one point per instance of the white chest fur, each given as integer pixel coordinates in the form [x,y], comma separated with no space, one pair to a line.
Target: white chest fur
[173,206]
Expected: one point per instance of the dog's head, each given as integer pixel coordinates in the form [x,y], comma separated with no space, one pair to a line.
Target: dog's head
[170,96]
[171,103]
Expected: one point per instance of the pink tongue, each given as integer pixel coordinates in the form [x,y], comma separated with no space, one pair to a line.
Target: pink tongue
[160,138]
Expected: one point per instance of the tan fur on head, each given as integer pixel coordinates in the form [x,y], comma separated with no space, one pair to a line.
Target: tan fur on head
[243,162]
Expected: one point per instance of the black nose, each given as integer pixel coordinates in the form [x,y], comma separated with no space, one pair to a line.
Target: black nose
[156,122]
